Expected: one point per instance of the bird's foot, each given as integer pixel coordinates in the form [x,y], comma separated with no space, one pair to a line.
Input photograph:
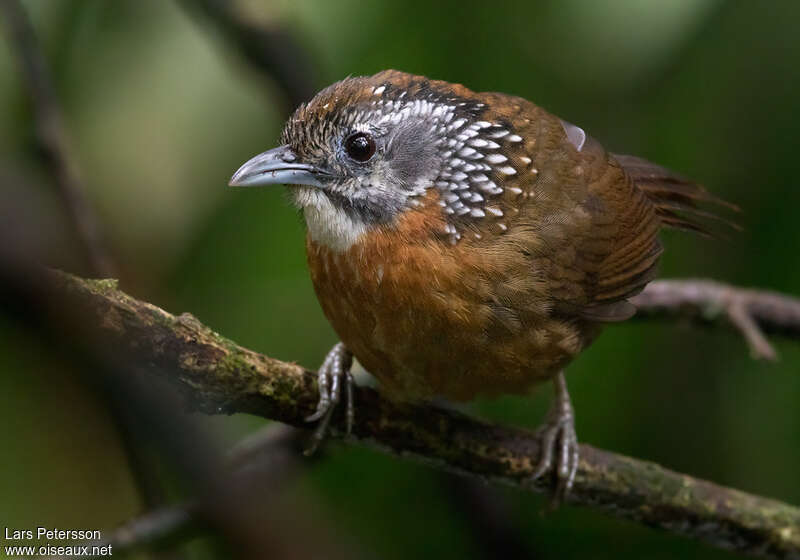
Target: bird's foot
[559,443]
[333,373]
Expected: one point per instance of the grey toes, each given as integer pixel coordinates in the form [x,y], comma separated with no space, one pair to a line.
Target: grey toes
[333,373]
[559,443]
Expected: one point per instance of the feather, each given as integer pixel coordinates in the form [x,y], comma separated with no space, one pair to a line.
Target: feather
[676,198]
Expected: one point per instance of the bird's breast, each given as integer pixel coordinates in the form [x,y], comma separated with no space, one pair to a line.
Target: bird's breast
[429,318]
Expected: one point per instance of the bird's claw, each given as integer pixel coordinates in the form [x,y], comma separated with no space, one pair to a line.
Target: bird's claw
[333,373]
[559,444]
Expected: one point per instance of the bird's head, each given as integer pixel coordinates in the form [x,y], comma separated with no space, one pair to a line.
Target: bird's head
[366,149]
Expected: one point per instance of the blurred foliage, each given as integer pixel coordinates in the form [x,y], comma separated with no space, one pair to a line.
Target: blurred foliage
[162,111]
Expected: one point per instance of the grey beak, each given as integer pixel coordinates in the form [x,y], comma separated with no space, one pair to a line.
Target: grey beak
[278,166]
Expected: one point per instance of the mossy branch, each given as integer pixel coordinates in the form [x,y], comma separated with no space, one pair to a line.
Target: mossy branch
[217,376]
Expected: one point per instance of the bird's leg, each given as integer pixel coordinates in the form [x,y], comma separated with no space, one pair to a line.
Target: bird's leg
[559,442]
[334,371]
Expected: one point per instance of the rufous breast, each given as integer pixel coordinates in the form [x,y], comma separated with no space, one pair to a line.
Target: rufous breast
[433,319]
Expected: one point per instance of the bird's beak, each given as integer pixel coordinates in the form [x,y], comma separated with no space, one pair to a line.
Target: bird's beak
[278,166]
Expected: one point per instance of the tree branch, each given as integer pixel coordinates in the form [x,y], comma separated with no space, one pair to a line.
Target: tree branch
[217,376]
[709,302]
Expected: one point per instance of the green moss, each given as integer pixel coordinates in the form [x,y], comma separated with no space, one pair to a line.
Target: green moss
[104,286]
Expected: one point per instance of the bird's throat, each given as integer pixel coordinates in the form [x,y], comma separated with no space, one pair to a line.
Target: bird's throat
[328,223]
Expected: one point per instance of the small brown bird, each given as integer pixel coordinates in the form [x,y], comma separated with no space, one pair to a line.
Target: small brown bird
[466,243]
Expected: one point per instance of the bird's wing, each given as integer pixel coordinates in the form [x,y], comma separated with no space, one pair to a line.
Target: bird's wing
[588,221]
[680,202]
[594,233]
[644,198]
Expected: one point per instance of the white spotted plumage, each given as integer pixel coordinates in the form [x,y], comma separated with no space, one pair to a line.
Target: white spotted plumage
[473,159]
[470,152]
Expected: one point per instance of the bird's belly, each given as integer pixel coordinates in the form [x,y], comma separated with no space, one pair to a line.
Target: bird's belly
[426,325]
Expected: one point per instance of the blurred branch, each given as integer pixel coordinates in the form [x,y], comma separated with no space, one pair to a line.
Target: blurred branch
[53,144]
[229,507]
[272,51]
[751,312]
[52,137]
[270,456]
[155,528]
[217,376]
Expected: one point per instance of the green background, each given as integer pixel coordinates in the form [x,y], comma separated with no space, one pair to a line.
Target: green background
[161,111]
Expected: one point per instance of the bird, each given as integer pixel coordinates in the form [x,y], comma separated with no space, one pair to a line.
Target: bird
[464,243]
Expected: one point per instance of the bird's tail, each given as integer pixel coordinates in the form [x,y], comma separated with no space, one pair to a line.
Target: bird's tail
[680,202]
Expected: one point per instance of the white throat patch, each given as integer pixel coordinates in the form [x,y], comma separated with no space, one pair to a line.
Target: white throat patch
[327,224]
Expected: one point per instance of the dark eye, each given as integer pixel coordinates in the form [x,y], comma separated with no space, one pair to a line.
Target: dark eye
[360,146]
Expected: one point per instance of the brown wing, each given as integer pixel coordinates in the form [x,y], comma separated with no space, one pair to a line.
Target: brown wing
[607,249]
[588,221]
[589,233]
[679,201]
[625,216]
[642,197]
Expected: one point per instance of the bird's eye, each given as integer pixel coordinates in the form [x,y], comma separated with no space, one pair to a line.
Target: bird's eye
[360,146]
